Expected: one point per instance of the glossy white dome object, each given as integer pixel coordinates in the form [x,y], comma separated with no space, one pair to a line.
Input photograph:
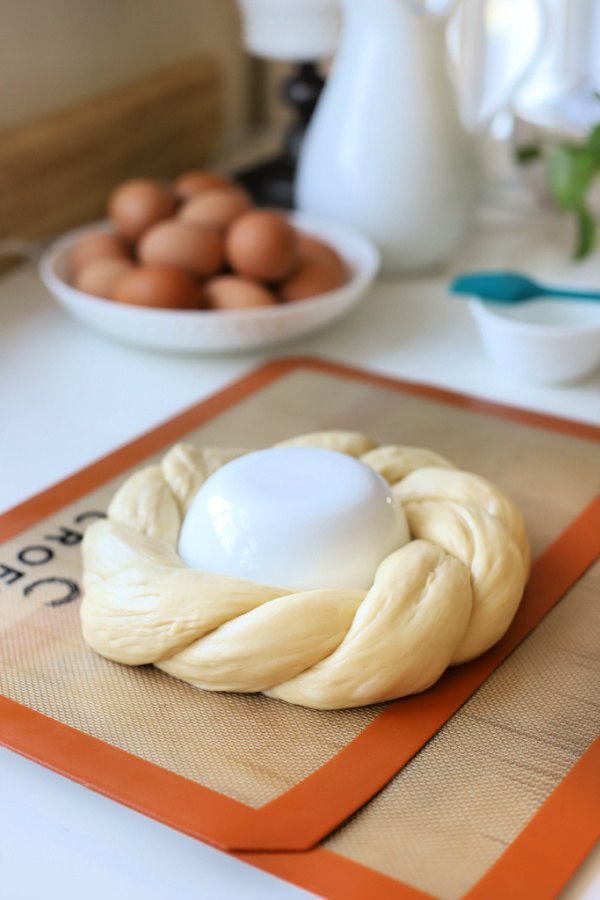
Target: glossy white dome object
[297,517]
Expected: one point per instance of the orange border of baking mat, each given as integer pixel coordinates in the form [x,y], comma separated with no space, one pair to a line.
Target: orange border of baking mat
[300,818]
[536,866]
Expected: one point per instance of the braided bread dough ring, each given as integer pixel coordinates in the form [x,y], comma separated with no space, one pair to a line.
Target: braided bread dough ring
[437,601]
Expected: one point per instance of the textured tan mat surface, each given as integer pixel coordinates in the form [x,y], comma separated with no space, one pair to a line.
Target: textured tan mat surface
[454,809]
[450,813]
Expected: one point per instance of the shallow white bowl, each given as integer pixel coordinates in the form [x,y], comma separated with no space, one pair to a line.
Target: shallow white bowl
[543,341]
[211,331]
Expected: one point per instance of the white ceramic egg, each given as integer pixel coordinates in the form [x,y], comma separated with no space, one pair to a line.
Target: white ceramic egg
[300,518]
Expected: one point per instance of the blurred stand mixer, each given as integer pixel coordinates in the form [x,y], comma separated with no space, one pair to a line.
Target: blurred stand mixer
[558,105]
[390,148]
[560,96]
[303,32]
[550,51]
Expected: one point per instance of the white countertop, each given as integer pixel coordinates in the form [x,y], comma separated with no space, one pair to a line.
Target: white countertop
[68,397]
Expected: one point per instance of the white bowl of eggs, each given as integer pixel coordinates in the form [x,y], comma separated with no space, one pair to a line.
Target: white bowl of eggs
[194,267]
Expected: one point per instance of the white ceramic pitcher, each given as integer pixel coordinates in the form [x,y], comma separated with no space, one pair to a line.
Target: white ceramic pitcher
[385,151]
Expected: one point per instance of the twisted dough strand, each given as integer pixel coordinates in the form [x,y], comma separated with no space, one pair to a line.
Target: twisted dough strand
[473,536]
[402,637]
[442,599]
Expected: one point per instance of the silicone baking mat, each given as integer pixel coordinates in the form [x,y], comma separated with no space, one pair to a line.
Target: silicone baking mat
[249,773]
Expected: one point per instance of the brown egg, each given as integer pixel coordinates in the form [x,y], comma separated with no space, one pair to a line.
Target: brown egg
[97,246]
[262,244]
[312,277]
[233,292]
[160,287]
[185,245]
[101,276]
[137,205]
[216,208]
[309,245]
[192,183]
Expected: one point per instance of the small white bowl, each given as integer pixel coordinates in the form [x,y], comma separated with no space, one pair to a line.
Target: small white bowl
[212,331]
[543,341]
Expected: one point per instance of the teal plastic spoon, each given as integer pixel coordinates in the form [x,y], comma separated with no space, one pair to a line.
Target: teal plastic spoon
[511,287]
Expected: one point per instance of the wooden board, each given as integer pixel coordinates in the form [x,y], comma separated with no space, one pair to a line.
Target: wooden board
[57,172]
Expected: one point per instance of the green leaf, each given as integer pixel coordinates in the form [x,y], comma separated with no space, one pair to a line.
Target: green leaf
[571,171]
[593,143]
[586,233]
[528,153]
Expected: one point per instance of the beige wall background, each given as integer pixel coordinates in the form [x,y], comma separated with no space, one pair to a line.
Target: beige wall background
[54,53]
